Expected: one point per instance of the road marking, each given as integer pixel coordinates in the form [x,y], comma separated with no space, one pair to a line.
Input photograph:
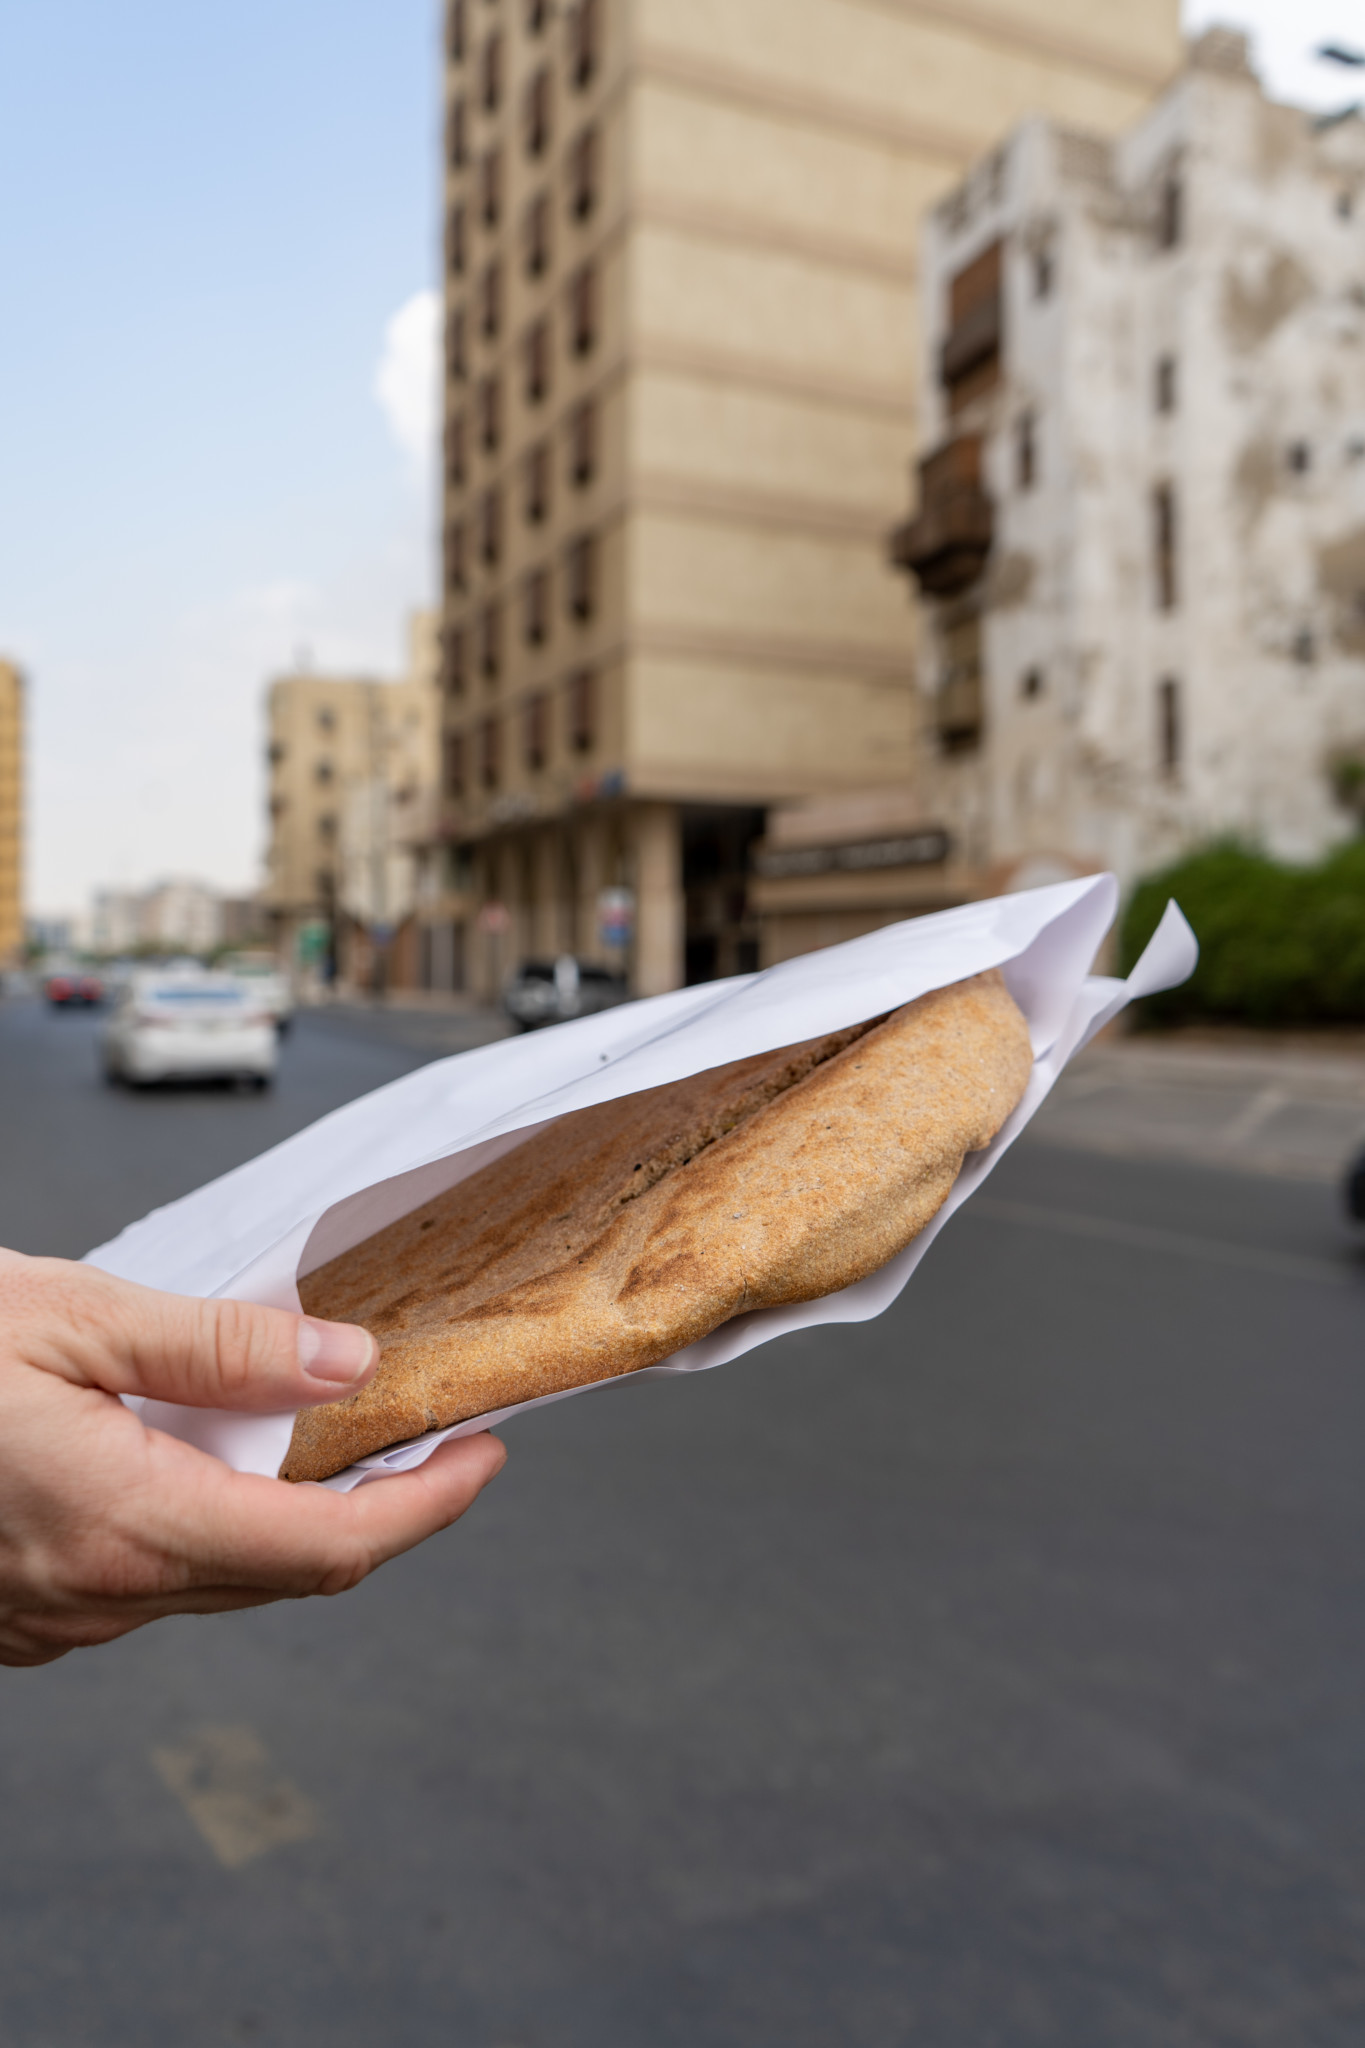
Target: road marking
[223,1780]
[1147,1237]
[1252,1115]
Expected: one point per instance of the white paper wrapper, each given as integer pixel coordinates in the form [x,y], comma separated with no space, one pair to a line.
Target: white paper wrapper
[253,1233]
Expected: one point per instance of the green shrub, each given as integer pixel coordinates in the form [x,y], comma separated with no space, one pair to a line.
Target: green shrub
[1277,945]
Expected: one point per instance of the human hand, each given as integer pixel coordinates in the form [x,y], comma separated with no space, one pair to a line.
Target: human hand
[106,1524]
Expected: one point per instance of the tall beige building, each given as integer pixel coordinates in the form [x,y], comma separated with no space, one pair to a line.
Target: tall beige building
[11,812]
[351,761]
[680,376]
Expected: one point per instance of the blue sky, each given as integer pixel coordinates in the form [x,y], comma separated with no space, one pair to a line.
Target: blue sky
[220,221]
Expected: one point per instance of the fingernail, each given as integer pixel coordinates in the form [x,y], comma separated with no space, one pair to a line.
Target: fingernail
[339,1352]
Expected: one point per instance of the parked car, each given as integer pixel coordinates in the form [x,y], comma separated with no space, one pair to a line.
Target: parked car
[270,988]
[72,988]
[188,1027]
[551,991]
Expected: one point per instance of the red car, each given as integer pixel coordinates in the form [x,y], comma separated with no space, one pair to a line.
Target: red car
[71,989]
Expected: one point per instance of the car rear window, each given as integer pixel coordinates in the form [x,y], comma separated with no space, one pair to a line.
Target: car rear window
[196,995]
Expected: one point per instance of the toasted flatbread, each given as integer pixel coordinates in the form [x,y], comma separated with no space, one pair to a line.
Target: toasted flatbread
[624,1232]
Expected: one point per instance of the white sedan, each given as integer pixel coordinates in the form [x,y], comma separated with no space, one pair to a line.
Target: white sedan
[190,1027]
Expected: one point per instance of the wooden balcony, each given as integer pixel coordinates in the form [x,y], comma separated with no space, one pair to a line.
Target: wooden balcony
[944,547]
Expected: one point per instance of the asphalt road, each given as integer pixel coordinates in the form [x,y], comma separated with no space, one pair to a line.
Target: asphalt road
[988,1676]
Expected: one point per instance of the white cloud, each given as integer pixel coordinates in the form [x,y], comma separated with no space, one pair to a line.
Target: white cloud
[407,382]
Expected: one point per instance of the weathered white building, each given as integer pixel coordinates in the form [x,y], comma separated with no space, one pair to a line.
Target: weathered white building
[1141,528]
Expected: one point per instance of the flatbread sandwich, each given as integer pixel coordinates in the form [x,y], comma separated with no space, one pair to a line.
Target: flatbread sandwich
[622,1233]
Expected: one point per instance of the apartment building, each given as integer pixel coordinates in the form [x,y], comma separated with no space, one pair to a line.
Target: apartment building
[351,763]
[680,389]
[11,813]
[1140,529]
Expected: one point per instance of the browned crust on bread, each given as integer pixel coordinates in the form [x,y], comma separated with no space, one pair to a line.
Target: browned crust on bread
[625,1232]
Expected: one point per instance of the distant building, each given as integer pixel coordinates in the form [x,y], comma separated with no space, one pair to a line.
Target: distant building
[351,759]
[1140,530]
[680,335]
[175,916]
[11,813]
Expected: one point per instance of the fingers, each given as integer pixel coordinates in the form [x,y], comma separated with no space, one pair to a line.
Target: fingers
[280,1540]
[108,1333]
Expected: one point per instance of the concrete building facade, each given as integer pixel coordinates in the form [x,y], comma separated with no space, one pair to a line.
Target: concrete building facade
[352,763]
[680,346]
[1141,523]
[11,813]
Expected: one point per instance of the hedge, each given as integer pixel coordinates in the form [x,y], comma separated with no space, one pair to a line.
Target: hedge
[1277,944]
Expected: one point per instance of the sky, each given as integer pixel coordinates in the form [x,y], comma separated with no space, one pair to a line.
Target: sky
[218,388]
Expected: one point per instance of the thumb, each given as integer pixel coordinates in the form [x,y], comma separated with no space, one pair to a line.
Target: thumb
[128,1339]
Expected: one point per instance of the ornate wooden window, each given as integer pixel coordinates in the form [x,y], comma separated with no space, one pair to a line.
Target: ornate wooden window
[584,26]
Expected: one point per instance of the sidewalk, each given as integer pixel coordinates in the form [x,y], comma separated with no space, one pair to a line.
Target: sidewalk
[1250,1101]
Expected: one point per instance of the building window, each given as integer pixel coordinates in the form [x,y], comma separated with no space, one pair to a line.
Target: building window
[1299,457]
[581,184]
[455,767]
[490,74]
[1044,271]
[453,551]
[1304,648]
[490,414]
[580,576]
[1164,546]
[453,661]
[1169,735]
[490,301]
[327,720]
[1346,204]
[1165,384]
[536,478]
[535,607]
[457,345]
[959,707]
[581,709]
[323,774]
[327,828]
[1026,450]
[490,642]
[457,30]
[582,296]
[457,135]
[535,731]
[490,753]
[275,752]
[456,450]
[1031,684]
[969,359]
[536,353]
[490,527]
[490,187]
[457,240]
[583,443]
[535,235]
[536,112]
[584,31]
[1170,224]
[537,14]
